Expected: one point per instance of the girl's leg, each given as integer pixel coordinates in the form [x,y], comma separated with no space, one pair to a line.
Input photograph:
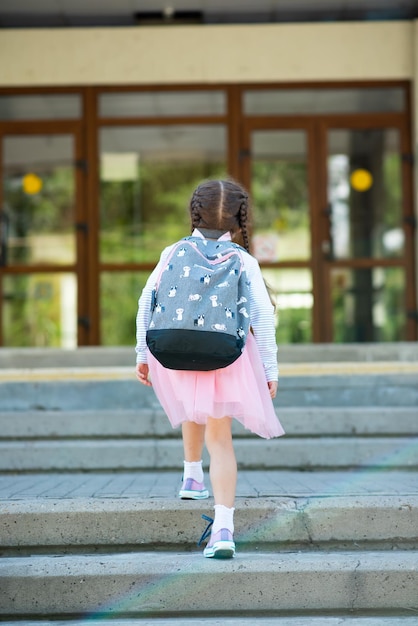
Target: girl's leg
[223,476]
[223,465]
[193,480]
[193,440]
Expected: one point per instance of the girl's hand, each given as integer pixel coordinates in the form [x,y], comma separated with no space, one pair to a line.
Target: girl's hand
[273,384]
[141,372]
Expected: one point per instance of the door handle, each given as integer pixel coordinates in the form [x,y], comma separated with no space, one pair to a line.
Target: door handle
[327,245]
[4,236]
[327,249]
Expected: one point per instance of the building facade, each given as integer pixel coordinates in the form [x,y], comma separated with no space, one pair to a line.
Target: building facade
[105,132]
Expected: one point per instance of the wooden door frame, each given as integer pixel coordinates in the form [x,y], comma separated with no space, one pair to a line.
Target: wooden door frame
[97,123]
[78,268]
[305,124]
[397,121]
[237,124]
[316,128]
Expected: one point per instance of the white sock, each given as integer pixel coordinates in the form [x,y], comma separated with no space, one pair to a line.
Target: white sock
[224,518]
[193,469]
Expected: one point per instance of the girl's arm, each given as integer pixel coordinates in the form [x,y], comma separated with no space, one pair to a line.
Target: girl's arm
[262,320]
[144,309]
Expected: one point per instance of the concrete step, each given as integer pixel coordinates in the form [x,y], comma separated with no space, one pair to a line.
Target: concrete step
[143,438]
[183,585]
[333,545]
[143,423]
[311,620]
[94,356]
[379,385]
[142,454]
[100,438]
[316,545]
[340,522]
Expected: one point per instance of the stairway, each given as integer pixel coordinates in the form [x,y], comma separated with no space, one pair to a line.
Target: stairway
[91,530]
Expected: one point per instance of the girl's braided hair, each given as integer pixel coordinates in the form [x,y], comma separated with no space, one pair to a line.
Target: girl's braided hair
[221,205]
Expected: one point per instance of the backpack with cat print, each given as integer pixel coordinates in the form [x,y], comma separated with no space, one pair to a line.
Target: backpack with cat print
[200,306]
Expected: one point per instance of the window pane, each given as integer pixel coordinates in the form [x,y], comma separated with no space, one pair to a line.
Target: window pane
[298,101]
[119,293]
[40,310]
[280,195]
[291,290]
[40,107]
[162,104]
[368,304]
[39,199]
[147,177]
[365,193]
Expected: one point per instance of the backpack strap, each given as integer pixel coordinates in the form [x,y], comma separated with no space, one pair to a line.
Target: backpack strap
[163,268]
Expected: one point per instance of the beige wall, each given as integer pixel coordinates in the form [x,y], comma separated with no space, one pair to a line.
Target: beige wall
[196,54]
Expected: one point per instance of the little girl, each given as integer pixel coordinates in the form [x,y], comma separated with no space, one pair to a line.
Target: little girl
[204,402]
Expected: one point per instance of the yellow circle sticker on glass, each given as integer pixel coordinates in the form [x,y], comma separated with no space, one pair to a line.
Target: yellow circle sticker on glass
[361,180]
[32,184]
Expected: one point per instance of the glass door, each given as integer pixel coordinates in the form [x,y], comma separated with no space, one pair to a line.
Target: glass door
[42,239]
[333,226]
[147,175]
[277,171]
[367,235]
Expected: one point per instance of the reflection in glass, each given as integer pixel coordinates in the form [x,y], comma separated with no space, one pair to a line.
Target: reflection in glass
[280,195]
[39,199]
[119,294]
[40,107]
[299,101]
[162,103]
[365,193]
[368,304]
[40,310]
[291,291]
[147,177]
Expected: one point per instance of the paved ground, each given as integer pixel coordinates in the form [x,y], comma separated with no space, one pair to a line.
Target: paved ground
[251,484]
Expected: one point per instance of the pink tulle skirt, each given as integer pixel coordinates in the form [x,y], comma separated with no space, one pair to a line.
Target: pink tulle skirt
[239,390]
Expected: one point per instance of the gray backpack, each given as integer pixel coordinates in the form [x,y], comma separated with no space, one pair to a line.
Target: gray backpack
[200,314]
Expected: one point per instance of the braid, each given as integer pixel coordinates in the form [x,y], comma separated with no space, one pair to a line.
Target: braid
[243,222]
[195,207]
[221,205]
